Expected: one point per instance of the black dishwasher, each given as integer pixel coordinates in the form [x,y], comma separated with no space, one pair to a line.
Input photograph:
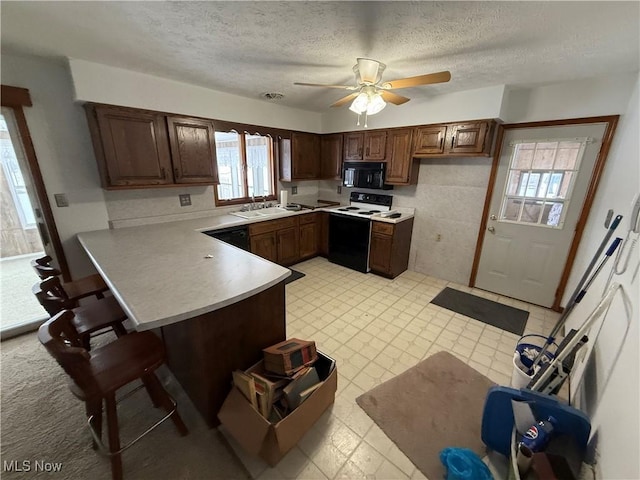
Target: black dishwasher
[236,236]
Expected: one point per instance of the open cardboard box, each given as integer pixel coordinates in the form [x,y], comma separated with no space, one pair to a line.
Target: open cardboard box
[272,441]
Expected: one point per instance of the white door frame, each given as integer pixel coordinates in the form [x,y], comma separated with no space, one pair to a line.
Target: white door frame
[612,122]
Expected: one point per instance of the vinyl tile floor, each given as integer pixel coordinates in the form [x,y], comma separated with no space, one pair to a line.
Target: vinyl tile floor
[377,328]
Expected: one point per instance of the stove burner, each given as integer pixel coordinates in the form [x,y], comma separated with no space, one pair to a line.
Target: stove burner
[367,213]
[343,209]
[352,208]
[375,211]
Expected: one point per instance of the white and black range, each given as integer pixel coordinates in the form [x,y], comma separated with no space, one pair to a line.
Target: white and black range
[350,229]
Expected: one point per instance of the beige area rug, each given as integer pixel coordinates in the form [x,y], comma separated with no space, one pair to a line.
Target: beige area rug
[434,405]
[42,421]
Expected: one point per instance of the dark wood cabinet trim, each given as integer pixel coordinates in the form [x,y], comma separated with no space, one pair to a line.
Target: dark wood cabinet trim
[15,97]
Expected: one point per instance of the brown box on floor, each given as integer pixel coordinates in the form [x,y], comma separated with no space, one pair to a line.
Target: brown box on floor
[272,441]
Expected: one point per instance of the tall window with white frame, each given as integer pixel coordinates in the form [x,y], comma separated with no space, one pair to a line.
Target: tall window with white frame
[245,167]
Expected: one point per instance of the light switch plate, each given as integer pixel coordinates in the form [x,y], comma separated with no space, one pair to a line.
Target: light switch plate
[294,190]
[339,188]
[61,199]
[185,199]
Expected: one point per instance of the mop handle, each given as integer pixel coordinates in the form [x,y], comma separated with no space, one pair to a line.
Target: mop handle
[612,248]
[579,290]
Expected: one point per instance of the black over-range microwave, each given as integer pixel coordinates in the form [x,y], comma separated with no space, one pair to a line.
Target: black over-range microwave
[365,175]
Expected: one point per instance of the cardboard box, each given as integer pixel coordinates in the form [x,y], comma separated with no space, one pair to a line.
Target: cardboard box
[270,441]
[289,356]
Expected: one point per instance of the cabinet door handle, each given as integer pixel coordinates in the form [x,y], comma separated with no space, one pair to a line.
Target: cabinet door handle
[441,142]
[176,173]
[367,151]
[453,137]
[163,172]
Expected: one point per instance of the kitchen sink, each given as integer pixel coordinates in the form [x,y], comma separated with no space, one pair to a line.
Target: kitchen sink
[263,212]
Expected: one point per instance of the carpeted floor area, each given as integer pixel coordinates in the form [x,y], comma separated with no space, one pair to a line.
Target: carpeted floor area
[41,420]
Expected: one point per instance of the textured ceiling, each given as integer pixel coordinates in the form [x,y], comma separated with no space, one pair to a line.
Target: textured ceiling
[248,48]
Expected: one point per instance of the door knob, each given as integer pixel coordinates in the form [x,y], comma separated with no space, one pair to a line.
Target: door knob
[491,229]
[493,217]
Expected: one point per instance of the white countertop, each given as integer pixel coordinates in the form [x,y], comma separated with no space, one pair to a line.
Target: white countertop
[160,273]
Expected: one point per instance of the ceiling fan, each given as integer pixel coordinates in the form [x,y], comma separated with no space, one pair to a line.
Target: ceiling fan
[371,93]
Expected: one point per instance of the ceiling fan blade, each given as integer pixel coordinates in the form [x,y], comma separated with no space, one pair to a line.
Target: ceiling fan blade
[344,100]
[344,87]
[393,98]
[427,79]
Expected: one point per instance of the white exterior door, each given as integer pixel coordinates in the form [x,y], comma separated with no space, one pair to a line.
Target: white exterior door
[540,188]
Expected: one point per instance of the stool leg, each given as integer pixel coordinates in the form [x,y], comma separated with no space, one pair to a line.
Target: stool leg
[151,391]
[114,437]
[163,399]
[119,329]
[94,408]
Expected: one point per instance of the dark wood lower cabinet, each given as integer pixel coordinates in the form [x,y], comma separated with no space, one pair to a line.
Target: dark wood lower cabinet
[309,235]
[276,240]
[264,245]
[389,249]
[202,352]
[288,246]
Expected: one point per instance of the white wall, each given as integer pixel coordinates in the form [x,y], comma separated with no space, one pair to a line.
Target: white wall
[104,84]
[448,202]
[459,106]
[583,98]
[617,423]
[61,140]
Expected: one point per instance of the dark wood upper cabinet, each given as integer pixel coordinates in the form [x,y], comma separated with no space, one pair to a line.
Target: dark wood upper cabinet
[331,156]
[131,147]
[193,150]
[299,157]
[430,139]
[353,146]
[140,148]
[468,137]
[365,146]
[473,138]
[375,144]
[402,167]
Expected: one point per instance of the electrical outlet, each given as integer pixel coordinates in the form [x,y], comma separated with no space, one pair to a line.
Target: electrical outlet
[339,188]
[438,237]
[61,199]
[185,199]
[294,190]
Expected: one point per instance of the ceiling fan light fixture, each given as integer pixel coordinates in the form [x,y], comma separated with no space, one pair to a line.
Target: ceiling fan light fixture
[376,104]
[360,104]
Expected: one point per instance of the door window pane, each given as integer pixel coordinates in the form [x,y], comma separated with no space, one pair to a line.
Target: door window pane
[540,181]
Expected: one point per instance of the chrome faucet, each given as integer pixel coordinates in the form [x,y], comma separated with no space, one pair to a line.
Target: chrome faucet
[253,202]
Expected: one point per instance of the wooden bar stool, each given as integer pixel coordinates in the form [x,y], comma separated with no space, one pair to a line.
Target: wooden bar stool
[88,319]
[92,285]
[97,375]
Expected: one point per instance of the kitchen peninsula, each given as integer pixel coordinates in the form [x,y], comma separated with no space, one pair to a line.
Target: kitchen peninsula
[215,306]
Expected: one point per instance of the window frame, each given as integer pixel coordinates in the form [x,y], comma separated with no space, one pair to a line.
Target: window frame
[242,130]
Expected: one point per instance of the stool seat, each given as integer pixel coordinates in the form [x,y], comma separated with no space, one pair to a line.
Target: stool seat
[117,363]
[89,286]
[95,316]
[92,285]
[87,319]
